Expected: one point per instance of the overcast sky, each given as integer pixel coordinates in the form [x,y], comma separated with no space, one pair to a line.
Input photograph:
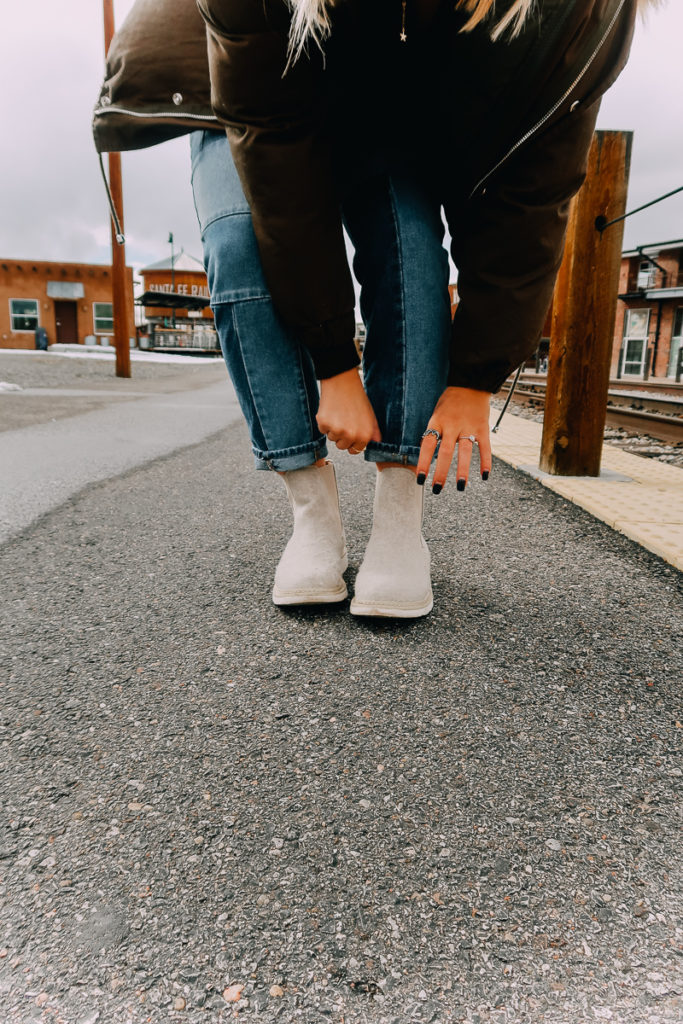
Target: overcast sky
[52,203]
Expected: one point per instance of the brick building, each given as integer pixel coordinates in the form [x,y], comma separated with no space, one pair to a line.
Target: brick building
[72,301]
[648,337]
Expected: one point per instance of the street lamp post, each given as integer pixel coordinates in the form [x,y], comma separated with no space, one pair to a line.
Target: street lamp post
[170,242]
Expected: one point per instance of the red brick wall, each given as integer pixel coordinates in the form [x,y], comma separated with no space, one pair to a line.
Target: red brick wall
[28,279]
[669,260]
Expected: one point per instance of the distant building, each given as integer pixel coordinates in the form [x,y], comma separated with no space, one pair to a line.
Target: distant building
[72,301]
[455,298]
[175,300]
[648,337]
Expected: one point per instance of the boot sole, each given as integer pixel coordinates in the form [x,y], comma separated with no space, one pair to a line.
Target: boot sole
[311,597]
[387,611]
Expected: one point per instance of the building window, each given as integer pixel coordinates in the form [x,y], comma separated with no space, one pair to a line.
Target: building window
[647,275]
[676,342]
[103,315]
[23,314]
[636,328]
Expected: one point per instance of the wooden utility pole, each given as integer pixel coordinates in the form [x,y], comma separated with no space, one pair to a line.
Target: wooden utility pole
[584,311]
[122,324]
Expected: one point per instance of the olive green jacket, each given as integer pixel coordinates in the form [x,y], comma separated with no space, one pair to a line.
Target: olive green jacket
[501,129]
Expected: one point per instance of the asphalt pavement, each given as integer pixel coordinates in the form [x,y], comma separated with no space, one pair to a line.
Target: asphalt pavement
[215,809]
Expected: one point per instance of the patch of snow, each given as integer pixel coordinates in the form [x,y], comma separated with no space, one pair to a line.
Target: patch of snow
[108,352]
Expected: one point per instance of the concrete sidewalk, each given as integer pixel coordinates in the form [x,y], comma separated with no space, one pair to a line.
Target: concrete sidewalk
[219,810]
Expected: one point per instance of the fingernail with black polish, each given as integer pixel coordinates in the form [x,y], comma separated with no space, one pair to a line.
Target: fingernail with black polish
[461,485]
[437,488]
[485,475]
[421,477]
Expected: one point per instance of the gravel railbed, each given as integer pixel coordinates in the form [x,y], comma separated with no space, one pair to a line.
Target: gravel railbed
[636,444]
[214,809]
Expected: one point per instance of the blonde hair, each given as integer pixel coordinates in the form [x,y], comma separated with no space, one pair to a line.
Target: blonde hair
[517,14]
[479,10]
[311,19]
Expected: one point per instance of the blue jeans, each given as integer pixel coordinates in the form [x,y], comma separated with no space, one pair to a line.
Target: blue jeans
[402,267]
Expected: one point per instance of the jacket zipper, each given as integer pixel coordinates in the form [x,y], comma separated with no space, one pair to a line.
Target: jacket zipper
[155,114]
[118,231]
[120,237]
[546,117]
[525,138]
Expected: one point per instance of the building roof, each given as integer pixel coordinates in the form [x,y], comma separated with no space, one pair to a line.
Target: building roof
[676,243]
[171,300]
[183,261]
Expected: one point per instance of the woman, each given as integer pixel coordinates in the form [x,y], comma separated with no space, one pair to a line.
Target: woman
[376,114]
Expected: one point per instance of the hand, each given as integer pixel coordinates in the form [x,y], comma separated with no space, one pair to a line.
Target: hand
[459,412]
[345,413]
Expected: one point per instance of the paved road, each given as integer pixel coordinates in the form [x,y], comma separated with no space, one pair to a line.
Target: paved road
[473,817]
[56,440]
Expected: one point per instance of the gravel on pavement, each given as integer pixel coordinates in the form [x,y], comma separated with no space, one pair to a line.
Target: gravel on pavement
[31,382]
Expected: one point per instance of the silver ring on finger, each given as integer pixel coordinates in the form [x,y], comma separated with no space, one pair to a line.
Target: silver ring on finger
[431,433]
[356,451]
[468,437]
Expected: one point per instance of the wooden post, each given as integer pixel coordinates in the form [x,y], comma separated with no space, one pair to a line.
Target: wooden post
[122,322]
[584,312]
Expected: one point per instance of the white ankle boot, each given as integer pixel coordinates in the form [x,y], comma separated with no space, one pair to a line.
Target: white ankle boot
[394,578]
[311,567]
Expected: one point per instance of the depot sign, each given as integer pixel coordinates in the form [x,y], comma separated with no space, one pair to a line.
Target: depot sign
[180,289]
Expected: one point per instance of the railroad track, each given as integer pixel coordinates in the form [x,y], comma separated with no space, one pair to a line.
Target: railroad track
[656,414]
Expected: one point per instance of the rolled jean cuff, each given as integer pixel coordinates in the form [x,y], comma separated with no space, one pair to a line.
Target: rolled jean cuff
[404,454]
[286,459]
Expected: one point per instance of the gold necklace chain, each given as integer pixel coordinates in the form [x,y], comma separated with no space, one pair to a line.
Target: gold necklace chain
[403,37]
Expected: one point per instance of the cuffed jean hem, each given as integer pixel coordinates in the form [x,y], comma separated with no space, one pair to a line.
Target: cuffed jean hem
[286,459]
[404,455]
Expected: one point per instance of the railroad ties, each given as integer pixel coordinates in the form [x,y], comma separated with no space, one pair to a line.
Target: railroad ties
[642,407]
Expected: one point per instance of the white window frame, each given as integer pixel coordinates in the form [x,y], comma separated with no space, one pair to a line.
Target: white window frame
[23,330]
[95,318]
[628,337]
[676,342]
